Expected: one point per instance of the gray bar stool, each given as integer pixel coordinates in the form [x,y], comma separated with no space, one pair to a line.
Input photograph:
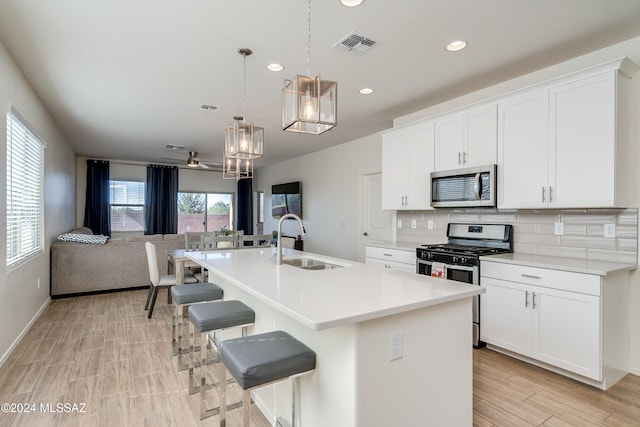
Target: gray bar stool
[263,359]
[183,296]
[209,318]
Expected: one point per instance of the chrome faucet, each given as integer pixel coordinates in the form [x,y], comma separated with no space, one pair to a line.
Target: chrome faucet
[279,248]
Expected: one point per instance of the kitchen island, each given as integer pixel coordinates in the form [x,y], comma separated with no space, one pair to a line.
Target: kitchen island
[350,315]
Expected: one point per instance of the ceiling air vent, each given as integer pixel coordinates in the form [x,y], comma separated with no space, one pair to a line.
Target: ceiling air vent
[355,43]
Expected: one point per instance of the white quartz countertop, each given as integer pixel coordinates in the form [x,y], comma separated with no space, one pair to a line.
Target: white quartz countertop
[322,299]
[600,268]
[404,246]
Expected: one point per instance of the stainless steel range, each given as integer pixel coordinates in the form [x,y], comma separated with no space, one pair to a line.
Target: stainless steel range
[459,259]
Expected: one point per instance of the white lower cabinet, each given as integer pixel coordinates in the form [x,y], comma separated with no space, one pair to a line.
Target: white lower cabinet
[576,322]
[557,327]
[391,258]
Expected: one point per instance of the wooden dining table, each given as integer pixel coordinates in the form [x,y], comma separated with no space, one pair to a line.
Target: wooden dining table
[177,261]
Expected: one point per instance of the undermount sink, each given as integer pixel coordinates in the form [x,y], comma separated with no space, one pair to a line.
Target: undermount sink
[310,264]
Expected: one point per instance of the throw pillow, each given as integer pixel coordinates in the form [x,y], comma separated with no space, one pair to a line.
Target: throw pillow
[83,238]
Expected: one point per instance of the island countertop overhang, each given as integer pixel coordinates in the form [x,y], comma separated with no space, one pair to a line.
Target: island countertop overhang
[329,298]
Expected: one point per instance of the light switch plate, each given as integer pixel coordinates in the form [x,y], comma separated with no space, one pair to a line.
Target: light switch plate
[430,224]
[399,223]
[559,229]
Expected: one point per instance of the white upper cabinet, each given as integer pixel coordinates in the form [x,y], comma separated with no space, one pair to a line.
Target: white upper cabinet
[407,163]
[563,146]
[466,138]
[523,146]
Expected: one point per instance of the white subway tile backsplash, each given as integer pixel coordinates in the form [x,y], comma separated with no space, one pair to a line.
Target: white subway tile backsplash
[563,252]
[589,219]
[537,239]
[534,230]
[612,256]
[575,230]
[529,217]
[589,242]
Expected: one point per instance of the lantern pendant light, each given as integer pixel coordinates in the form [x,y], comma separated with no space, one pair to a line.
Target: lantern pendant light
[237,168]
[309,103]
[243,140]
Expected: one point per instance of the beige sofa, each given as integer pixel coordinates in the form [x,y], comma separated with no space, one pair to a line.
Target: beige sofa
[78,268]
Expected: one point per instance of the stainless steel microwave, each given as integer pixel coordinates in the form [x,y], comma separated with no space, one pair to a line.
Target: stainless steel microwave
[464,188]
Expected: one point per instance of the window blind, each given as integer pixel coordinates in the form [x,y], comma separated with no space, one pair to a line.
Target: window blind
[25,191]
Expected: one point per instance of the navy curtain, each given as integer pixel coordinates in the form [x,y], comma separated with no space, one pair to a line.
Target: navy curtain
[244,218]
[161,200]
[96,208]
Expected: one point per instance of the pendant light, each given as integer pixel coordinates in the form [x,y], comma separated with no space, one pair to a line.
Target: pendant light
[309,103]
[243,140]
[236,168]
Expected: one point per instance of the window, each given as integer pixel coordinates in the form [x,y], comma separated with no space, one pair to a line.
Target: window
[127,205]
[193,206]
[25,191]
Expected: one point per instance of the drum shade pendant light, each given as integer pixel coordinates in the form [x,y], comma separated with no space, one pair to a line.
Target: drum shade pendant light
[309,104]
[243,140]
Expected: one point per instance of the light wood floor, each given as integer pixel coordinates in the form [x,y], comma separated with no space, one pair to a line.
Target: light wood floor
[102,351]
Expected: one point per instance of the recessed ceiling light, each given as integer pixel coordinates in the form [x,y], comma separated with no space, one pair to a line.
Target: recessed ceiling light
[456,45]
[275,67]
[366,91]
[351,3]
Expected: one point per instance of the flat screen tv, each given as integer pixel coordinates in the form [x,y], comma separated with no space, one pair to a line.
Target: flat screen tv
[286,198]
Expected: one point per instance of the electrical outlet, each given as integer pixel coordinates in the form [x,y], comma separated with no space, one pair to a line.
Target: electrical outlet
[396,345]
[414,224]
[399,223]
[38,282]
[610,230]
[559,229]
[430,225]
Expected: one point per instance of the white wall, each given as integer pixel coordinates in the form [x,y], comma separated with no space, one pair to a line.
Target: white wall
[331,195]
[20,298]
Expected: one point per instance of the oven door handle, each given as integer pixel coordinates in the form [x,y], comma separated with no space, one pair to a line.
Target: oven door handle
[449,266]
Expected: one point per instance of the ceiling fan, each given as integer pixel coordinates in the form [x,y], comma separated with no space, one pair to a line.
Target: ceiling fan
[193,161]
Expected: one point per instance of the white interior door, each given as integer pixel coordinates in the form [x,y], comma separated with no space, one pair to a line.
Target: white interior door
[377,222]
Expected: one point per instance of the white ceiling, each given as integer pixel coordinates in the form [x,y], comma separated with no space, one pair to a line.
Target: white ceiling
[124,78]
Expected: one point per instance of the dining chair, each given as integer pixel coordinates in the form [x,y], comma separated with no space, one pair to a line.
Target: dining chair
[158,281]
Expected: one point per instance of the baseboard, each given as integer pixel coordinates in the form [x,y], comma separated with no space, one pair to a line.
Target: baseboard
[104,291]
[15,342]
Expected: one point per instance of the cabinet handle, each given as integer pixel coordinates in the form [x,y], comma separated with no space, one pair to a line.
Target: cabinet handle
[543,195]
[387,254]
[530,276]
[533,295]
[459,157]
[464,157]
[550,194]
[526,299]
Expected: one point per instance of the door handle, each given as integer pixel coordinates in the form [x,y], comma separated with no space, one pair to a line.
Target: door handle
[526,299]
[476,186]
[534,299]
